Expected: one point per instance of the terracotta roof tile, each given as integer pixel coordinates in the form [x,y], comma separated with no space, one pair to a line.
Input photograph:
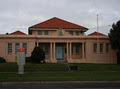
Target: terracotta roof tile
[17,33]
[58,24]
[96,33]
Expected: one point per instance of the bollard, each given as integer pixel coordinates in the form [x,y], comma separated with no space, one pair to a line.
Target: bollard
[21,60]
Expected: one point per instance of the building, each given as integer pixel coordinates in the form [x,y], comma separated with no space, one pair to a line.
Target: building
[62,41]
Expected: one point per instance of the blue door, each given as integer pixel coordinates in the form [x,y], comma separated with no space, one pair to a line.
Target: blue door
[59,52]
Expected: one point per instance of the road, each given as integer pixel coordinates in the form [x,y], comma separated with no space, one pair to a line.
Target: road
[61,86]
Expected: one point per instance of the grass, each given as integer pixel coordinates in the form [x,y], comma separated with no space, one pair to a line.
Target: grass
[61,76]
[45,67]
[29,67]
[99,67]
[59,72]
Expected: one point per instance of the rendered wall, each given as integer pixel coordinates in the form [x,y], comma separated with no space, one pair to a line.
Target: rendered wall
[89,55]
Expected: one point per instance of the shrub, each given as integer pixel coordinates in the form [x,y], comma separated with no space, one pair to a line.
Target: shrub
[2,60]
[28,59]
[38,55]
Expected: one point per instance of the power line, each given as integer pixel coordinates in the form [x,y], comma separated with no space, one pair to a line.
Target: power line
[100,27]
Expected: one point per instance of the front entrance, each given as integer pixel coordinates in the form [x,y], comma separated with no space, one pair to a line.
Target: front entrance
[59,51]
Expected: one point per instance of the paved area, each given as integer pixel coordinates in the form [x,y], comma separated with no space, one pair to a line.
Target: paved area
[61,86]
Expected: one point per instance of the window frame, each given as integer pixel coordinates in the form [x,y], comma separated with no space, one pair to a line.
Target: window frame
[25,47]
[39,32]
[47,49]
[77,47]
[71,32]
[101,47]
[77,33]
[16,48]
[95,47]
[9,48]
[46,32]
[107,47]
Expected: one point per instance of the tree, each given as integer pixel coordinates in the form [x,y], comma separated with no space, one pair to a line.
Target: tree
[114,37]
[38,55]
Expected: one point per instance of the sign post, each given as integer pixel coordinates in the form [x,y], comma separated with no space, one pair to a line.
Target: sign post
[21,60]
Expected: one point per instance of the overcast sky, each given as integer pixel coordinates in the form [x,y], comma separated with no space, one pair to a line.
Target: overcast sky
[21,14]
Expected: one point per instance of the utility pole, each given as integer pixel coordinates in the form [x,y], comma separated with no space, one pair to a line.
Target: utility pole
[97,34]
[97,24]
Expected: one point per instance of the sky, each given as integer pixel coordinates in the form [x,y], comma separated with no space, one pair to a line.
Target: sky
[21,14]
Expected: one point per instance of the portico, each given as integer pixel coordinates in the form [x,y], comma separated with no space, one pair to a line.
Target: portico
[63,51]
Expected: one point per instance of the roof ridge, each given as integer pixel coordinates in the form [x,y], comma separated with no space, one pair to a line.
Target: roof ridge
[17,32]
[69,22]
[96,33]
[58,19]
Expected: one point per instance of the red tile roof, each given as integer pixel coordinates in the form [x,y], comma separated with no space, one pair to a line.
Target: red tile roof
[58,24]
[96,34]
[17,33]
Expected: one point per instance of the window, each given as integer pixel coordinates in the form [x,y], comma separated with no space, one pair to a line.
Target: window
[77,32]
[25,47]
[39,32]
[107,47]
[94,47]
[60,32]
[46,49]
[9,48]
[71,32]
[17,45]
[77,49]
[46,33]
[101,48]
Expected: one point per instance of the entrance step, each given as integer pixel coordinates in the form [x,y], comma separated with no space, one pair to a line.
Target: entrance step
[62,61]
[73,67]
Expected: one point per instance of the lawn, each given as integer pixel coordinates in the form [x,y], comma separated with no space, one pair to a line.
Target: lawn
[59,72]
[61,76]
[31,67]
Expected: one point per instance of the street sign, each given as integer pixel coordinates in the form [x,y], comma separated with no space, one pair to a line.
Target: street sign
[21,50]
[21,60]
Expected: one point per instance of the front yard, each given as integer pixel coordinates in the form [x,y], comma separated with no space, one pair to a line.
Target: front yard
[59,72]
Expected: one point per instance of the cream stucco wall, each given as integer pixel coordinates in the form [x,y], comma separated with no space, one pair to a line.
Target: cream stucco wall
[56,33]
[98,57]
[86,47]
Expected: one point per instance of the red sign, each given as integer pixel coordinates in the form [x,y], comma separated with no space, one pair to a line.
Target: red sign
[21,50]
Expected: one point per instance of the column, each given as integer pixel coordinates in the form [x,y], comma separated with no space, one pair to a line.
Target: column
[70,51]
[51,51]
[54,50]
[83,50]
[37,44]
[67,52]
